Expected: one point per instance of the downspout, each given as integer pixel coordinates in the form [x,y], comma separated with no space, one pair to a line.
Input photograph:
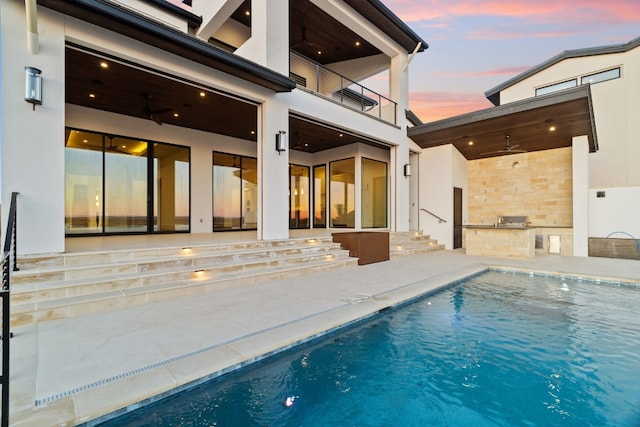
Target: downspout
[33,43]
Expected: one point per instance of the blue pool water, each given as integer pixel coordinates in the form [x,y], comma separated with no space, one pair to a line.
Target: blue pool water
[500,349]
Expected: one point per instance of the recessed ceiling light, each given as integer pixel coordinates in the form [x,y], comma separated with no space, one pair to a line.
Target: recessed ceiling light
[176,115]
[91,95]
[470,142]
[341,135]
[85,141]
[202,94]
[247,12]
[253,132]
[319,52]
[124,146]
[552,128]
[104,64]
[357,43]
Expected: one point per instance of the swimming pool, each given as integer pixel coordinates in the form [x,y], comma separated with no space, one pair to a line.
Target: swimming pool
[500,349]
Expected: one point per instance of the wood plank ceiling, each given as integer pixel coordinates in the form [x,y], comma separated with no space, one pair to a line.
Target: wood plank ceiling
[535,124]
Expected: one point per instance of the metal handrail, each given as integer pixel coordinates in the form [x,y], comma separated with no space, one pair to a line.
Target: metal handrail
[320,79]
[8,257]
[440,220]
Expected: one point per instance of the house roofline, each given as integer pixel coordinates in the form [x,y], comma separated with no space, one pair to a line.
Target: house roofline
[493,94]
[397,30]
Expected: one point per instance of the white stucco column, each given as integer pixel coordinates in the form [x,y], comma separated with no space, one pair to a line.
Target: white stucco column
[399,194]
[580,196]
[269,42]
[33,140]
[273,171]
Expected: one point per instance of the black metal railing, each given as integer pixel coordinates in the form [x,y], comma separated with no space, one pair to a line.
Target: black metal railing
[9,264]
[440,220]
[319,79]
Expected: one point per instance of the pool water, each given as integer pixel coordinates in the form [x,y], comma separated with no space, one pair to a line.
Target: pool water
[500,349]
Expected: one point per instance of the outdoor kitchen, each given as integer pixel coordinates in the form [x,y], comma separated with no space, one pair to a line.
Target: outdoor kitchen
[520,206]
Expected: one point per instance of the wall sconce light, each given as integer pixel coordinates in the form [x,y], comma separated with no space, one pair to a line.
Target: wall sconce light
[281,141]
[33,86]
[407,170]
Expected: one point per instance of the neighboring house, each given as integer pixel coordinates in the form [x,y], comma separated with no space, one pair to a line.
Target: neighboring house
[561,147]
[199,116]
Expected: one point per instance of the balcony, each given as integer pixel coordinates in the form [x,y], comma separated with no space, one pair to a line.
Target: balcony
[319,79]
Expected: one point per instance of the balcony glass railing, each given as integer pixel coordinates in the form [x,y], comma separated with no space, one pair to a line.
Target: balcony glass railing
[314,76]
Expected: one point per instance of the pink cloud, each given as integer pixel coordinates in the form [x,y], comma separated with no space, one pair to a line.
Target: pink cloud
[431,106]
[593,12]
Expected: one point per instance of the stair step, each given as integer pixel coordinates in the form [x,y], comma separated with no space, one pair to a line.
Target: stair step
[27,313]
[139,264]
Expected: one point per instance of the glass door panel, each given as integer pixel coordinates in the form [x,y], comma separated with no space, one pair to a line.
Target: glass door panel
[374,194]
[320,196]
[83,182]
[249,192]
[126,185]
[171,188]
[342,193]
[226,192]
[298,196]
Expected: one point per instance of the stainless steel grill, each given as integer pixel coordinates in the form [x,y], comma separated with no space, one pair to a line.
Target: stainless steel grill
[512,221]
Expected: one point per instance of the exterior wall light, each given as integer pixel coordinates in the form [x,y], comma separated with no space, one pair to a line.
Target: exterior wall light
[407,169]
[281,141]
[33,86]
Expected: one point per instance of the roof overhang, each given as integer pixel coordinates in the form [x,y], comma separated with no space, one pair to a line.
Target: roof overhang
[379,15]
[116,18]
[526,122]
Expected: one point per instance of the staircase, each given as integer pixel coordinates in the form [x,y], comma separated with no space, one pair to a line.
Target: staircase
[68,285]
[405,243]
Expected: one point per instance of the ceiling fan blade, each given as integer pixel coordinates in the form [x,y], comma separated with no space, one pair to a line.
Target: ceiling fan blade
[511,147]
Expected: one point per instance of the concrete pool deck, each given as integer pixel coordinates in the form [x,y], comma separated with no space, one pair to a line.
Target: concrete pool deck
[72,371]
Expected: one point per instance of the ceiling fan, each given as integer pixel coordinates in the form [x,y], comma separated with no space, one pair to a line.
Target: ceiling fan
[153,114]
[113,147]
[508,148]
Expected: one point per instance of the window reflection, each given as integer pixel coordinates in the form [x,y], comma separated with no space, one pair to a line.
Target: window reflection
[374,194]
[125,185]
[235,194]
[320,196]
[107,186]
[342,193]
[171,189]
[298,196]
[83,182]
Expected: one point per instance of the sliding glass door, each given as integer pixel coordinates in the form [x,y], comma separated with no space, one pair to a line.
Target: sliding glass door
[116,184]
[235,192]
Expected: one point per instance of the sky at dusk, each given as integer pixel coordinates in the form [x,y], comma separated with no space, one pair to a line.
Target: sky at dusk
[475,45]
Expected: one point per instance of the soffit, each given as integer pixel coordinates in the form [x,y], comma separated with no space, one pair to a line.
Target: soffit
[128,23]
[526,122]
[122,88]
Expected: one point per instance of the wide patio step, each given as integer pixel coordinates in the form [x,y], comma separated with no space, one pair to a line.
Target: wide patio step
[405,243]
[55,287]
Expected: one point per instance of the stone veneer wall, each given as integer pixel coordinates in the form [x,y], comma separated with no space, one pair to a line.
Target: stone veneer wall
[537,184]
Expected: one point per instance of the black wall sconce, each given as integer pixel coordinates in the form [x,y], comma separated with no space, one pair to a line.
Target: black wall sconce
[281,141]
[407,169]
[33,86]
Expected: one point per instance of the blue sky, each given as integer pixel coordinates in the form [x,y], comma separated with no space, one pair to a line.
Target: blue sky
[475,45]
